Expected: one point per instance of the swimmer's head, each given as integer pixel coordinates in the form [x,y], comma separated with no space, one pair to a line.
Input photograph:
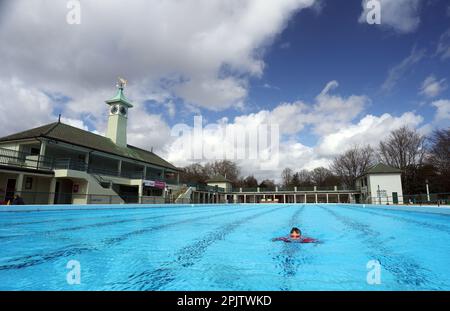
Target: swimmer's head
[295,233]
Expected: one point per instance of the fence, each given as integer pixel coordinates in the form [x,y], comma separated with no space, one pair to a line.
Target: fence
[294,189]
[33,198]
[201,187]
[43,198]
[413,199]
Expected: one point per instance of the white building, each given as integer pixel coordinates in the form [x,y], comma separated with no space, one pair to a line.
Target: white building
[58,163]
[381,184]
[220,182]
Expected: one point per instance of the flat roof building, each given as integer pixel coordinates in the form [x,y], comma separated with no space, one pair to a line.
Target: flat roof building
[381,184]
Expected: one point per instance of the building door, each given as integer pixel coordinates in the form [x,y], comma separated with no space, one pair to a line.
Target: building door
[63,191]
[10,190]
[129,194]
[56,200]
[395,197]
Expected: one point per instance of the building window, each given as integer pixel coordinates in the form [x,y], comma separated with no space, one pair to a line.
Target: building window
[28,183]
[152,192]
[35,151]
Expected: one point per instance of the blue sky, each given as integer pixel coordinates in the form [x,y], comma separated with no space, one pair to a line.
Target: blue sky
[315,67]
[319,46]
[333,46]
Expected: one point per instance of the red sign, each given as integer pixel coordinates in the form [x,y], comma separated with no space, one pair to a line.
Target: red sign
[155,184]
[160,185]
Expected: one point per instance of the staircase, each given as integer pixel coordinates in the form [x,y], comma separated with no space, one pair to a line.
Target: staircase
[183,196]
[99,190]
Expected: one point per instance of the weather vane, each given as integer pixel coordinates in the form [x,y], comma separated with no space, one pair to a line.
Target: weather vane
[121,83]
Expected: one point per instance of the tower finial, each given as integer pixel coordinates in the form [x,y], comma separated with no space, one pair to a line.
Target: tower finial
[121,83]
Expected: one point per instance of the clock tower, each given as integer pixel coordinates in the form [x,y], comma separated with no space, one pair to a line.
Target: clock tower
[118,115]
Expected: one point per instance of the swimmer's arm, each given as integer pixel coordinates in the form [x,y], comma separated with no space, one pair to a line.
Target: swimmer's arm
[280,239]
[310,240]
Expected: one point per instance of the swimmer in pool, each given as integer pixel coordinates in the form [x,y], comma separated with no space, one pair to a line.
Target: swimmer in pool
[296,236]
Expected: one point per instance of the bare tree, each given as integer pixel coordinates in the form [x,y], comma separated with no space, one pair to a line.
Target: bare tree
[267,184]
[322,176]
[352,164]
[194,173]
[225,168]
[286,177]
[250,182]
[439,154]
[304,178]
[404,149]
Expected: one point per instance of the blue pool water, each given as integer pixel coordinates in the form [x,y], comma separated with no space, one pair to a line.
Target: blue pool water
[224,248]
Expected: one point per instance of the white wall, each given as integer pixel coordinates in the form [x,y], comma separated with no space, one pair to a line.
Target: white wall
[388,182]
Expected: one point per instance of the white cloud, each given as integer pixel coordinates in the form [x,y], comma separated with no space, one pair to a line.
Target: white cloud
[75,123]
[199,50]
[442,111]
[148,131]
[171,109]
[398,72]
[214,94]
[443,47]
[327,113]
[432,87]
[22,107]
[369,130]
[330,116]
[403,16]
[333,111]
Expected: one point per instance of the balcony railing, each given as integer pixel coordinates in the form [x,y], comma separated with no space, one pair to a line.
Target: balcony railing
[202,187]
[69,164]
[20,159]
[26,160]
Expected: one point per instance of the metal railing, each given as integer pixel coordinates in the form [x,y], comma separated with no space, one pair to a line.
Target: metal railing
[201,187]
[413,199]
[27,160]
[69,164]
[329,189]
[45,198]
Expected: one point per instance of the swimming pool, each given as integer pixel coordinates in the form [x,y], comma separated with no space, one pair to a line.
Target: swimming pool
[225,247]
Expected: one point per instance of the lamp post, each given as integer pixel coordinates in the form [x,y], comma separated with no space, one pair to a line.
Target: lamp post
[428,190]
[379,195]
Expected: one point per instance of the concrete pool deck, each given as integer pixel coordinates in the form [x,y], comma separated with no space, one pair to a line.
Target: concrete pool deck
[433,209]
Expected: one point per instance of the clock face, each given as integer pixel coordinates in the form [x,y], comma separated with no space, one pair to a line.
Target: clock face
[114,109]
[123,111]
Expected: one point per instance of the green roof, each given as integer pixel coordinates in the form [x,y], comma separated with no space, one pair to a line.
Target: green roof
[381,168]
[120,97]
[218,178]
[75,136]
